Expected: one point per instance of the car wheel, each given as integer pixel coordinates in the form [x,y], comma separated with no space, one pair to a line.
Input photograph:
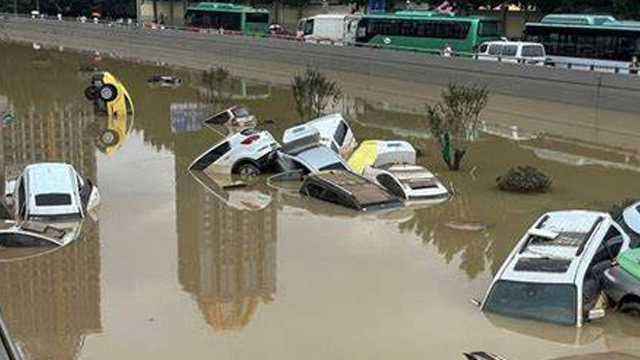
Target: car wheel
[248,170]
[91,93]
[108,92]
[109,138]
[631,308]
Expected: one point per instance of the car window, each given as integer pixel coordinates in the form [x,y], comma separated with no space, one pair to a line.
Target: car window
[610,247]
[495,49]
[483,48]
[532,51]
[21,194]
[53,199]
[341,133]
[308,27]
[510,50]
[389,183]
[211,156]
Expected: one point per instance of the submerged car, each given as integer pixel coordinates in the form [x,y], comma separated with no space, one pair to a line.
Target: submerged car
[552,273]
[391,164]
[411,182]
[333,130]
[622,282]
[52,191]
[376,153]
[630,221]
[248,153]
[235,194]
[31,234]
[303,150]
[106,87]
[114,109]
[165,81]
[348,189]
[235,117]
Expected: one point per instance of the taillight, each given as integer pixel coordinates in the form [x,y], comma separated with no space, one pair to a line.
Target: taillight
[250,140]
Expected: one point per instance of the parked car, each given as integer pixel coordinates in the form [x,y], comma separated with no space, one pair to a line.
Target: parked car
[348,189]
[235,117]
[334,132]
[111,100]
[249,152]
[376,153]
[622,282]
[51,192]
[552,273]
[411,182]
[513,52]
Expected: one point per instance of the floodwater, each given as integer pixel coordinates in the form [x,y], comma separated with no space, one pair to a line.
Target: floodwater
[171,269]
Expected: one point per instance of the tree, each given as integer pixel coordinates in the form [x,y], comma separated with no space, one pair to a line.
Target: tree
[313,92]
[454,120]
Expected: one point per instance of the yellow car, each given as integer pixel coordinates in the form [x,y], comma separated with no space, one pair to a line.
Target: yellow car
[112,100]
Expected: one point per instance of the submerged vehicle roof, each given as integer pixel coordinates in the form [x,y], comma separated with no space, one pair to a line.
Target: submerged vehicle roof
[365,193]
[378,152]
[319,157]
[552,249]
[51,177]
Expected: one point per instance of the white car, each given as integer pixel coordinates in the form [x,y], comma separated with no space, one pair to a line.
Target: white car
[513,52]
[334,132]
[413,183]
[52,192]
[236,117]
[552,273]
[248,153]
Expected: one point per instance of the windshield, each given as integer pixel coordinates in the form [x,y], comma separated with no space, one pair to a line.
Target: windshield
[546,302]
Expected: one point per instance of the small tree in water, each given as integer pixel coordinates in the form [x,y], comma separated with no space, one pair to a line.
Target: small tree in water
[454,120]
[313,92]
[215,80]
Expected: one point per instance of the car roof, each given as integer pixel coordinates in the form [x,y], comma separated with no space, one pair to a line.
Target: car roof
[501,42]
[51,178]
[319,156]
[553,248]
[365,192]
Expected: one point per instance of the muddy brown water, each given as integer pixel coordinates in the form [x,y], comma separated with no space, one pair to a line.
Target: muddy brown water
[172,269]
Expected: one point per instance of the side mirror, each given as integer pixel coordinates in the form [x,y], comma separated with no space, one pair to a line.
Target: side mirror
[476,302]
[595,314]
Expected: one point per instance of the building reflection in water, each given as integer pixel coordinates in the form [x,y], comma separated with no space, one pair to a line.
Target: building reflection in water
[227,252]
[52,302]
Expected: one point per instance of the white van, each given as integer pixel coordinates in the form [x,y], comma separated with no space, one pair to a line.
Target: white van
[518,52]
[329,28]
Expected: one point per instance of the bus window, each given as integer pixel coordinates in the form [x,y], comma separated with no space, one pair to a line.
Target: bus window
[489,29]
[261,18]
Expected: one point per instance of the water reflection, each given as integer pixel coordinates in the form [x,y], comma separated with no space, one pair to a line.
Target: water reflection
[226,248]
[52,302]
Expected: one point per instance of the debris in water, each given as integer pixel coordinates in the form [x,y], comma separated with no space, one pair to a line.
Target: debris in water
[474,226]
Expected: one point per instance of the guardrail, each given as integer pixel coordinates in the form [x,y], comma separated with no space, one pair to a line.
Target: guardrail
[586,65]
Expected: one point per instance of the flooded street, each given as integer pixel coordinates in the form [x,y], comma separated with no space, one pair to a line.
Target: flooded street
[171,269]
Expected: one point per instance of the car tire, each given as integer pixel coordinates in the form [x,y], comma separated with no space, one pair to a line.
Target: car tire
[109,138]
[631,308]
[108,92]
[248,170]
[91,93]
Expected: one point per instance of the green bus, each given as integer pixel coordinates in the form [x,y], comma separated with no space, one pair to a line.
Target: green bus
[427,31]
[242,19]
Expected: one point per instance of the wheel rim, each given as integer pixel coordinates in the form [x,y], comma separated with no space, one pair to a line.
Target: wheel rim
[108,138]
[248,171]
[106,92]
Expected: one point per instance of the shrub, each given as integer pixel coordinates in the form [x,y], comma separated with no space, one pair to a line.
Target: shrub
[524,179]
